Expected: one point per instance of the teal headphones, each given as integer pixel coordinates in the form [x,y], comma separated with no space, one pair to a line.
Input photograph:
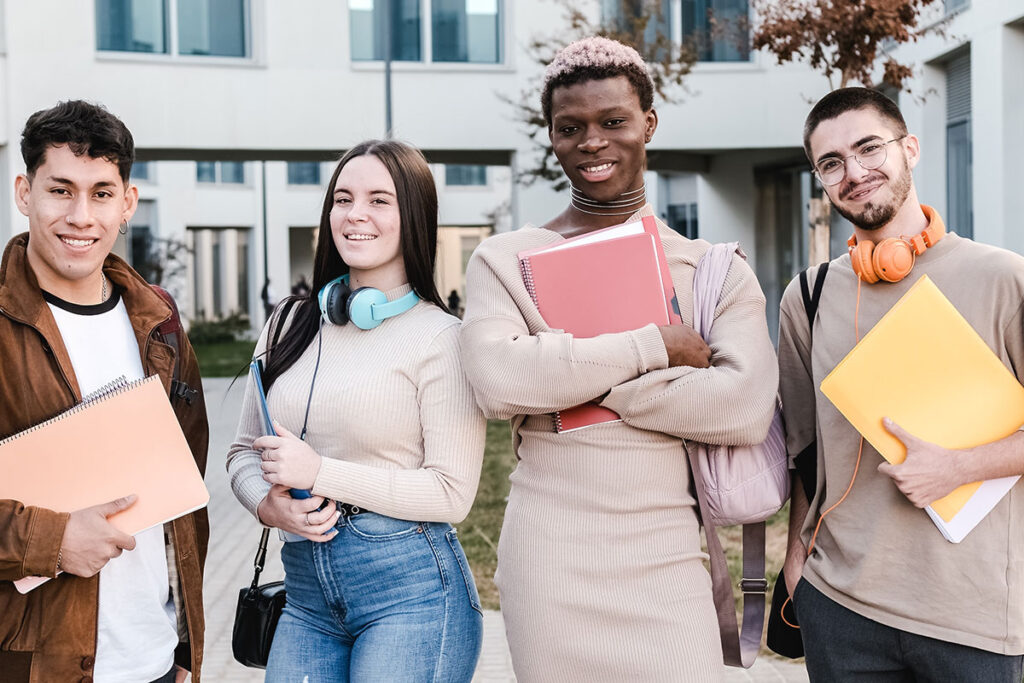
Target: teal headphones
[366,307]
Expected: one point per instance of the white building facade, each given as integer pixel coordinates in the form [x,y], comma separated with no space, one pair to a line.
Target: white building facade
[240,106]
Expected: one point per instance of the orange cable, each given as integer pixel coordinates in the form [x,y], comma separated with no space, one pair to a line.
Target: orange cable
[856,468]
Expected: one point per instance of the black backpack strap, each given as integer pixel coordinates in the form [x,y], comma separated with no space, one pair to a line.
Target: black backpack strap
[811,299]
[170,332]
[806,461]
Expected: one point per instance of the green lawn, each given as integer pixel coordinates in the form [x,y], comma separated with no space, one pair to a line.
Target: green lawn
[224,359]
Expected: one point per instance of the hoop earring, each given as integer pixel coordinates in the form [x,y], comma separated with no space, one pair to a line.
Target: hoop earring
[123,228]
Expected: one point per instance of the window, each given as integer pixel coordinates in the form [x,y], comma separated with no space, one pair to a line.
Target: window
[465,174]
[620,12]
[215,28]
[683,219]
[232,172]
[465,31]
[959,194]
[956,5]
[719,29]
[131,25]
[303,173]
[462,31]
[141,170]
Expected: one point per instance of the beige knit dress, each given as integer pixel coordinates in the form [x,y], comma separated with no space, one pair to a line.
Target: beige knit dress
[599,563]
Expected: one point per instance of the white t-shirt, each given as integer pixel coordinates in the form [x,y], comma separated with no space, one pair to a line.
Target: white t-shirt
[137,626]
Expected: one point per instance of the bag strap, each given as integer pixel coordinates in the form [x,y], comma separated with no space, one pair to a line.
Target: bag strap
[739,645]
[261,557]
[170,332]
[806,461]
[811,300]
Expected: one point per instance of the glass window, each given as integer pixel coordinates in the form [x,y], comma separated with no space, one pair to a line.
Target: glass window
[211,27]
[465,174]
[366,29]
[131,25]
[206,171]
[465,31]
[956,5]
[232,172]
[141,170]
[303,173]
[729,40]
[683,219]
[620,13]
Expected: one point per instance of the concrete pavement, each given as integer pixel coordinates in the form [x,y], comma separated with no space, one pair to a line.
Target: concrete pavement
[234,535]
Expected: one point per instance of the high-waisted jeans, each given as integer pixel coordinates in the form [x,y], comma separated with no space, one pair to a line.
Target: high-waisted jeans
[384,600]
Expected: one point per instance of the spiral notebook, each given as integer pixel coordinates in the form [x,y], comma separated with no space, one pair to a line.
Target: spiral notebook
[124,439]
[609,280]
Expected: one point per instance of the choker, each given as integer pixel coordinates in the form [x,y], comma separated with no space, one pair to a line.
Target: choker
[632,200]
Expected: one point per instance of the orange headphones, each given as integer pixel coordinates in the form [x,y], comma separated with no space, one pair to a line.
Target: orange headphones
[893,258]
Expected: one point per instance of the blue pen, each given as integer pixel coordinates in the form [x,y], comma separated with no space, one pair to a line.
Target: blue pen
[256,368]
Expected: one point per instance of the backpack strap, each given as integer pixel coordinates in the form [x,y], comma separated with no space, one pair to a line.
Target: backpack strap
[171,331]
[740,645]
[811,299]
[807,460]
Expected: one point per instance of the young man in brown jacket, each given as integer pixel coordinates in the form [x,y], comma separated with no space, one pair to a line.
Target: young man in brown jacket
[72,318]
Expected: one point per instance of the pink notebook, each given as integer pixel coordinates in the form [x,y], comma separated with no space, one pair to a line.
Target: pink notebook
[596,284]
[126,441]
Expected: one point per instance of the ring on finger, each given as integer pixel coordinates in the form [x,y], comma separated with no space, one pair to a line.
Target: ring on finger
[308,523]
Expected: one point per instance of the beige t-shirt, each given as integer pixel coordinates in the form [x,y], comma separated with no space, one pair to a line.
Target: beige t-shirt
[876,553]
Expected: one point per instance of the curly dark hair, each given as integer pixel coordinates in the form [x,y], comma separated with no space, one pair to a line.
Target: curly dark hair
[596,58]
[85,128]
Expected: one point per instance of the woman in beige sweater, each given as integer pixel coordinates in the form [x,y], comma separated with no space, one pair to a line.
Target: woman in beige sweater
[390,441]
[599,564]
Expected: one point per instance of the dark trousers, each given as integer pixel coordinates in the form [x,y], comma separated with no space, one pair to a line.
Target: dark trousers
[841,646]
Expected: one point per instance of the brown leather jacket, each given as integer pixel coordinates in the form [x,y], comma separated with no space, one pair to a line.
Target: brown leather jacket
[49,634]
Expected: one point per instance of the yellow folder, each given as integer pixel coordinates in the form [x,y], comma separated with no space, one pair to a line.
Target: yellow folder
[924,366]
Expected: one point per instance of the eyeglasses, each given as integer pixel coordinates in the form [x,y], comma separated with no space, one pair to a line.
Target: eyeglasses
[832,170]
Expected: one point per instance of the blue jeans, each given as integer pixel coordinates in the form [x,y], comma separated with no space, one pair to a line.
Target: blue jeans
[844,647]
[384,600]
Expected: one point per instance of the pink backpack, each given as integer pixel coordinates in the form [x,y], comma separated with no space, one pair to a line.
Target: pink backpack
[736,485]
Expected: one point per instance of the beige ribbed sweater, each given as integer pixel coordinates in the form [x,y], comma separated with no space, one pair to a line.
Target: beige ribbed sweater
[599,561]
[392,415]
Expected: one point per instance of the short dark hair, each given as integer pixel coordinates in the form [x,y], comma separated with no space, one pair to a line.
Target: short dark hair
[840,101]
[596,58]
[85,128]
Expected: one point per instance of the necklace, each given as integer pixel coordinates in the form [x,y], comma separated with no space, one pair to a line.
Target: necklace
[103,290]
[628,201]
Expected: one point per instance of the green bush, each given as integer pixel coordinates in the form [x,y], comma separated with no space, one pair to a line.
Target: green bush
[227,329]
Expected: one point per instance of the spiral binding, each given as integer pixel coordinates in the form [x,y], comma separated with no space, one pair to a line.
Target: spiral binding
[558,421]
[524,266]
[108,390]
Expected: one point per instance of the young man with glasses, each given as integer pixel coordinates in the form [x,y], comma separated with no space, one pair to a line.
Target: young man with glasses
[74,317]
[883,596]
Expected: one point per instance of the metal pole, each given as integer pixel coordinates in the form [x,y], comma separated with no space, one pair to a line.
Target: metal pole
[265,293]
[386,6]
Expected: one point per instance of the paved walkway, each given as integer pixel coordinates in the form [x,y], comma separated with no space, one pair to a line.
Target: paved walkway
[234,536]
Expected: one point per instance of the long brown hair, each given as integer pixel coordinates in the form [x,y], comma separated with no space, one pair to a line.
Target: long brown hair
[417,210]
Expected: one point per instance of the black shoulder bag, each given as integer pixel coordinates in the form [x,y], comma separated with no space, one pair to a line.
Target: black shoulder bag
[259,607]
[781,637]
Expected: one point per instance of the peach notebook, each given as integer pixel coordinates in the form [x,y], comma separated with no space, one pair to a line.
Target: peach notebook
[606,281]
[127,440]
[924,366]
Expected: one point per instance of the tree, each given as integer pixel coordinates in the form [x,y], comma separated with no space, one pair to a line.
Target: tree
[848,41]
[164,262]
[633,22]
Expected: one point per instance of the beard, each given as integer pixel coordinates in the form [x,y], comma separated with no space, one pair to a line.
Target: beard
[873,216]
